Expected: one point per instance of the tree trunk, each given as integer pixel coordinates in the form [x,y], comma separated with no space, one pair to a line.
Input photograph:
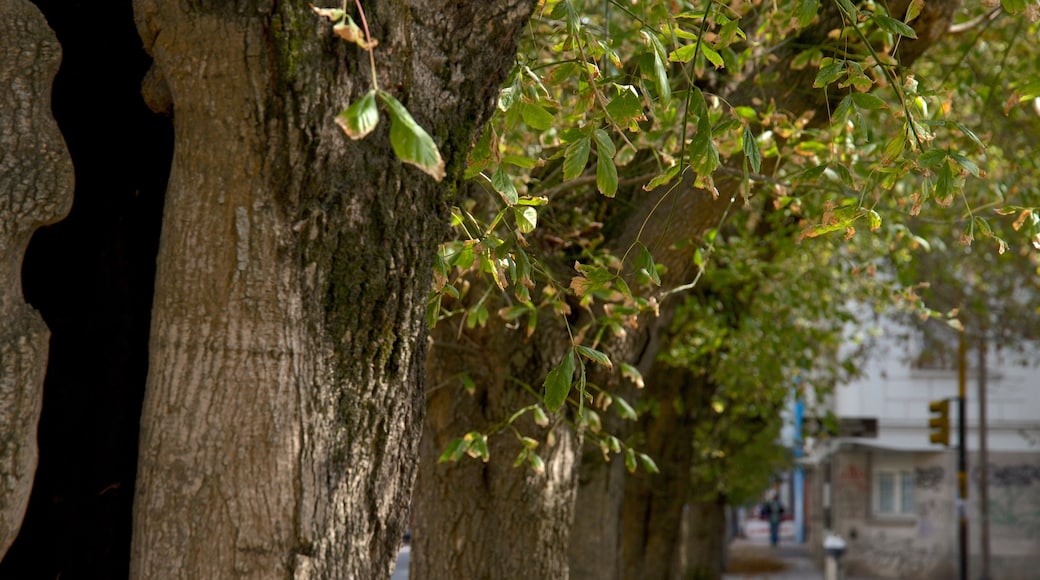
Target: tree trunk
[492,520]
[284,398]
[653,507]
[35,189]
[596,549]
[705,539]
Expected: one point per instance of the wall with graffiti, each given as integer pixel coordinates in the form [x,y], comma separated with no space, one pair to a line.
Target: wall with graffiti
[916,544]
[1014,513]
[923,544]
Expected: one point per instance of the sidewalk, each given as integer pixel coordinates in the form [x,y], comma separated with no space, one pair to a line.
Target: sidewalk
[757,560]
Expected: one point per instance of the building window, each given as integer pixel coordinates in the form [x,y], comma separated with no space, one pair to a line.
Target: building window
[894,492]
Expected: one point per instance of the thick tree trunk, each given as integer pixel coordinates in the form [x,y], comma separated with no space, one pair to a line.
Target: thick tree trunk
[595,550]
[653,504]
[35,189]
[704,541]
[284,399]
[492,520]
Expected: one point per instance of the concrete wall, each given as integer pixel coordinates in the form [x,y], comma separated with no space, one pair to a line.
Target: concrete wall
[917,545]
[1014,514]
[924,545]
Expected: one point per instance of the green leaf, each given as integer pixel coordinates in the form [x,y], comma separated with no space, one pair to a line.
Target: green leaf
[630,460]
[875,219]
[433,310]
[595,356]
[662,179]
[536,116]
[468,384]
[360,118]
[849,9]
[704,156]
[913,10]
[891,25]
[624,410]
[754,156]
[868,101]
[454,451]
[513,312]
[944,183]
[478,447]
[830,71]
[809,174]
[464,258]
[526,218]
[626,108]
[575,158]
[606,176]
[807,10]
[1013,6]
[509,96]
[480,155]
[504,186]
[970,135]
[540,418]
[713,57]
[411,142]
[894,148]
[664,85]
[558,382]
[684,53]
[604,146]
[932,158]
[646,270]
[520,161]
[648,464]
[966,164]
[536,463]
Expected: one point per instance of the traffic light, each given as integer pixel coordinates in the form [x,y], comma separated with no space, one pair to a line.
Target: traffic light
[939,424]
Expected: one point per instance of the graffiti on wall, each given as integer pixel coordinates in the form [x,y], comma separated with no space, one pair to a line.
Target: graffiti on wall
[1014,496]
[899,558]
[929,478]
[850,491]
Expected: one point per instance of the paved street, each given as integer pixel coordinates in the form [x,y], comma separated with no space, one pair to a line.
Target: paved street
[403,557]
[788,561]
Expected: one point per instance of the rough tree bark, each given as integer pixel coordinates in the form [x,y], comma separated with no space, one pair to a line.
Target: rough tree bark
[652,511]
[704,540]
[35,189]
[491,520]
[284,398]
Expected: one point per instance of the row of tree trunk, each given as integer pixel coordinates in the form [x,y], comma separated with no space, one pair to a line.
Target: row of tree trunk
[284,402]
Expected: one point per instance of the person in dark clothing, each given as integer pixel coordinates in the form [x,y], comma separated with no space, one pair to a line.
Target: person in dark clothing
[773,511]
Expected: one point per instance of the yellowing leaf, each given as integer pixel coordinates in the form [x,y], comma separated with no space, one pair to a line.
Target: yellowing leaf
[595,356]
[410,141]
[360,118]
[526,218]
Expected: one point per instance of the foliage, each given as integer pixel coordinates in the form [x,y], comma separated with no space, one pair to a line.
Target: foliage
[410,142]
[988,74]
[766,321]
[611,99]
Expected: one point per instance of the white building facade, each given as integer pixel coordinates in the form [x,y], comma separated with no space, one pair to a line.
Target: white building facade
[893,495]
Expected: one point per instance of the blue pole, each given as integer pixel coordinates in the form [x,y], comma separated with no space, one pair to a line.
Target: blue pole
[799,476]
